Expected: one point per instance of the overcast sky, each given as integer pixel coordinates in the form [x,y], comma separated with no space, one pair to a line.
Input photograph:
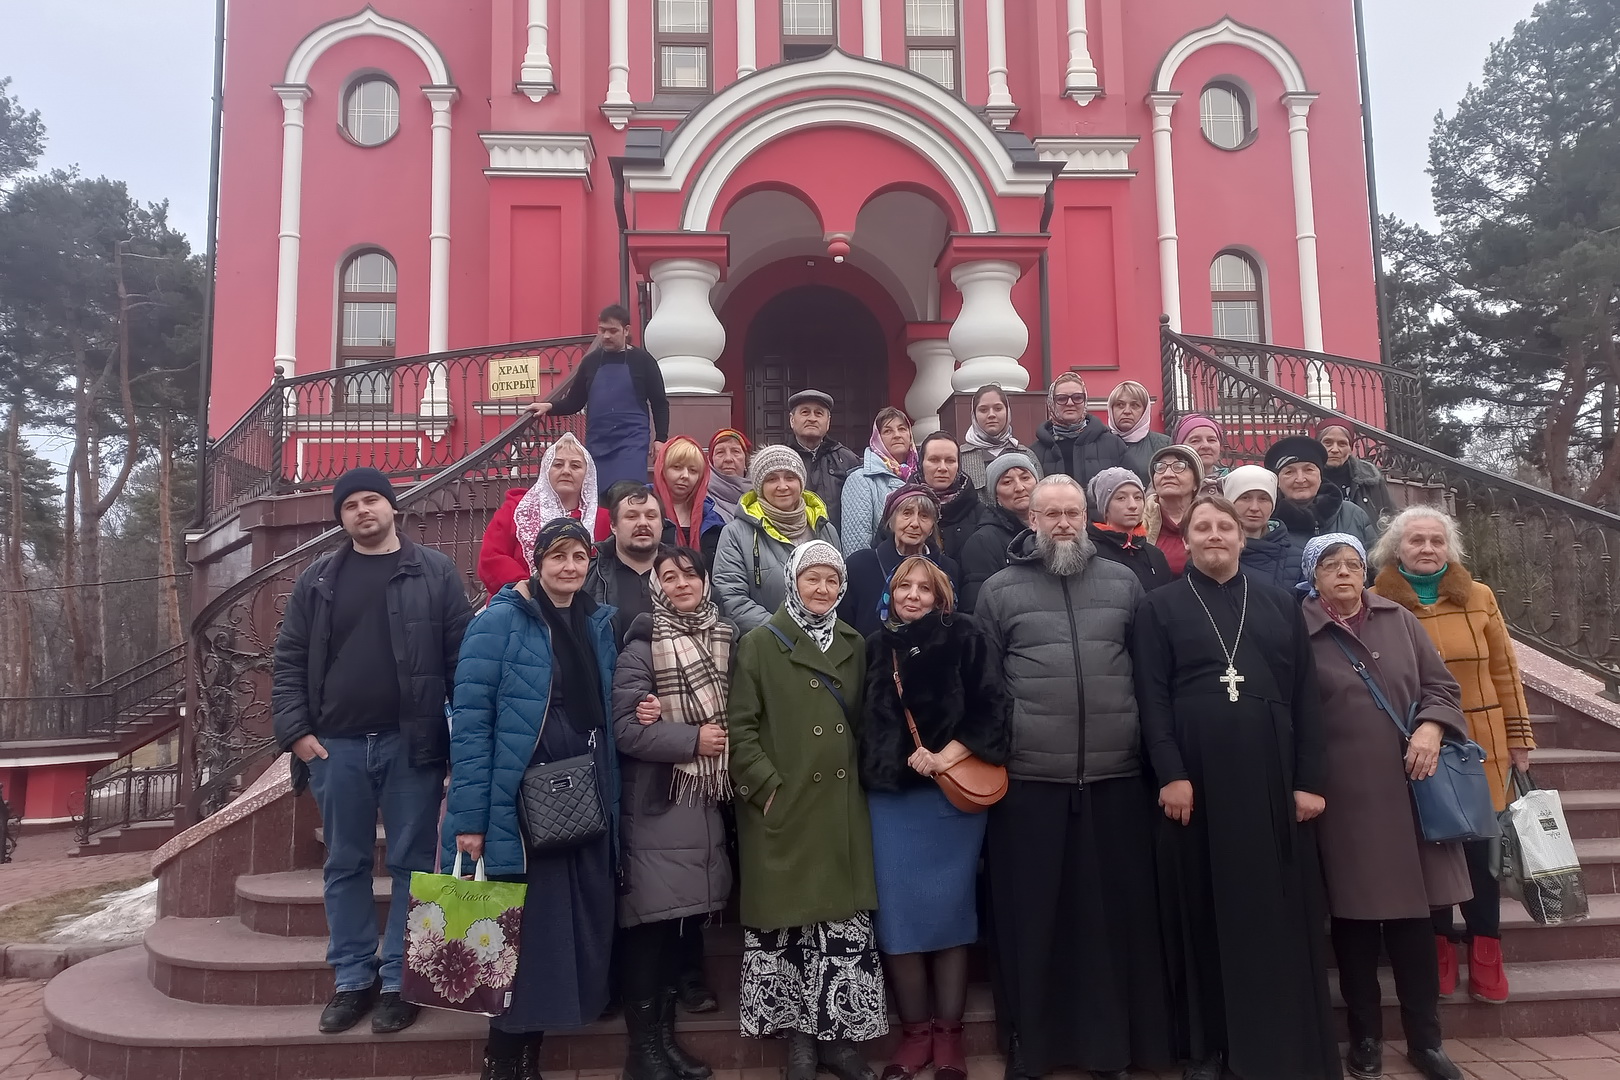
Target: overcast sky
[123,87]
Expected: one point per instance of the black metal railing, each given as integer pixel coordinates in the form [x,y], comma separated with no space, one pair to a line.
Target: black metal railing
[106,709]
[127,797]
[1550,560]
[234,636]
[1385,397]
[411,417]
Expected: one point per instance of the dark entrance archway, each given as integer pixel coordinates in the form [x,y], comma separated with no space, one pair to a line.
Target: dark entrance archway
[820,336]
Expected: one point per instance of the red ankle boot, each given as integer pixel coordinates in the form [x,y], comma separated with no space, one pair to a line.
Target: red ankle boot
[949,1062]
[915,1052]
[1487,981]
[1446,949]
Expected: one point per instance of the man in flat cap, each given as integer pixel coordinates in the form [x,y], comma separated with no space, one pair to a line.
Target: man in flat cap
[827,462]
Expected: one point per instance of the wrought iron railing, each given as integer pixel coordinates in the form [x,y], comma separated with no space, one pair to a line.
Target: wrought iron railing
[234,636]
[1386,397]
[1550,560]
[103,711]
[411,417]
[127,797]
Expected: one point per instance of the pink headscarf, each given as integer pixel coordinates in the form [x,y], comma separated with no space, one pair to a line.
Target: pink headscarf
[903,469]
[1192,422]
[540,503]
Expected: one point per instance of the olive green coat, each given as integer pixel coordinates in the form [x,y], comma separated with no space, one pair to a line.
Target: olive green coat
[810,859]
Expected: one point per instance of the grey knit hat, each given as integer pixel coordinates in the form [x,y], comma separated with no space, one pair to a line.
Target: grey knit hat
[769,459]
[1104,484]
[998,465]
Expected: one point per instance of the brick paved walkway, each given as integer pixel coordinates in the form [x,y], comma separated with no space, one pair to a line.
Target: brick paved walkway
[24,1056]
[41,867]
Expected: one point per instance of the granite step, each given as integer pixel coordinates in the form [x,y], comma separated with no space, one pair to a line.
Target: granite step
[1576,769]
[290,904]
[1545,726]
[1592,813]
[1524,940]
[1600,863]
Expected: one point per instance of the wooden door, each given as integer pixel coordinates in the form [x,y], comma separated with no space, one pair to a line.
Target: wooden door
[821,337]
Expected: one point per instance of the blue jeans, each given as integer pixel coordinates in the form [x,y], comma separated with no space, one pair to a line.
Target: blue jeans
[358,778]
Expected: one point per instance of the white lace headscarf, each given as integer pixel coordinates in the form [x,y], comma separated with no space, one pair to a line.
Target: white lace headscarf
[540,503]
[815,553]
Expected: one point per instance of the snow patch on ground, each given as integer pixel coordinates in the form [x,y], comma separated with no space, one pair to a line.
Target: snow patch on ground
[117,916]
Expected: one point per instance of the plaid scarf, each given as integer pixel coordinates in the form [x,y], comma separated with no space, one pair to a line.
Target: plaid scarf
[691,655]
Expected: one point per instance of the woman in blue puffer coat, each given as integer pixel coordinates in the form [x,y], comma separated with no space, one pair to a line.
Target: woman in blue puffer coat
[533,686]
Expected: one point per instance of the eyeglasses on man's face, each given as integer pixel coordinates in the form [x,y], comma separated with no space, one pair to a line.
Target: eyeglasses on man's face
[1055,515]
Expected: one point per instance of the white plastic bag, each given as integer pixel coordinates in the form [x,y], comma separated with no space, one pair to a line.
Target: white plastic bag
[1538,866]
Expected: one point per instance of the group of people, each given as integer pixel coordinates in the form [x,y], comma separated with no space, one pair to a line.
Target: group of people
[771,656]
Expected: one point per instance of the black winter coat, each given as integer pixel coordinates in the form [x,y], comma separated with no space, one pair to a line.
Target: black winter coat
[959,520]
[826,468]
[1328,512]
[869,572]
[1096,448]
[1273,558]
[428,613]
[1138,556]
[952,689]
[986,552]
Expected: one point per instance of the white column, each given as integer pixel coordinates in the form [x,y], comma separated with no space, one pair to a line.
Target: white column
[872,29]
[617,106]
[1310,290]
[1164,188]
[932,387]
[988,337]
[684,333]
[292,201]
[747,39]
[535,78]
[1080,79]
[435,405]
[999,105]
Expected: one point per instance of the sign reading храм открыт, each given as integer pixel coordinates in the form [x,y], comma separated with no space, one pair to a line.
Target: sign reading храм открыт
[514,377]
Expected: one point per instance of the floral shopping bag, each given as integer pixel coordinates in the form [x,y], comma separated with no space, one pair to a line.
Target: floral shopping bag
[461,941]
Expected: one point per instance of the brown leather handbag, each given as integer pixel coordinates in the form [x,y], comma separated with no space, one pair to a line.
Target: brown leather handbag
[972,785]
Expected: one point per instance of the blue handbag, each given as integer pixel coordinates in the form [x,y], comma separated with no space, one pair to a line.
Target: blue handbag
[1454,805]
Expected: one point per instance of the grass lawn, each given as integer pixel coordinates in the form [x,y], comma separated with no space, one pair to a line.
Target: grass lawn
[29,920]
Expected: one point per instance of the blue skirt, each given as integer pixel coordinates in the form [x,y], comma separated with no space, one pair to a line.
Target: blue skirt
[926,856]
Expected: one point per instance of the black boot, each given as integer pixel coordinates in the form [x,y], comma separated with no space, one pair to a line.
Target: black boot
[501,1067]
[1365,1061]
[529,1069]
[1016,1069]
[686,1067]
[1434,1064]
[1207,1069]
[644,1058]
[843,1060]
[801,1056]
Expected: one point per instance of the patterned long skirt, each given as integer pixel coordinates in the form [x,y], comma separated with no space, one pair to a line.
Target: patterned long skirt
[824,979]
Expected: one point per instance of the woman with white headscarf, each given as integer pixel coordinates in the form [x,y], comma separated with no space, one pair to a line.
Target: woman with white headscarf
[566,487]
[810,966]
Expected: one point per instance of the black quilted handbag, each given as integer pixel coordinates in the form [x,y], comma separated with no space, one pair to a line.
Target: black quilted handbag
[561,803]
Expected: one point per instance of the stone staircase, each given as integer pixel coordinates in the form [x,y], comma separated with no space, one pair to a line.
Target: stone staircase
[230,980]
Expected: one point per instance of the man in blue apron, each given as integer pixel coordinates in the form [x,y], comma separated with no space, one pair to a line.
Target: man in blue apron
[618,385]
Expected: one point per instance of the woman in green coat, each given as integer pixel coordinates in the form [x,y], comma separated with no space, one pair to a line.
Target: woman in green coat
[810,959]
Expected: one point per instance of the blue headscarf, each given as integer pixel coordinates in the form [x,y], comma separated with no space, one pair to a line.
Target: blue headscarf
[1313,555]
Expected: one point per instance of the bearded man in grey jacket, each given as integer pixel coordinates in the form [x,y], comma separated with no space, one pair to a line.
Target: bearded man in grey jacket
[1078,964]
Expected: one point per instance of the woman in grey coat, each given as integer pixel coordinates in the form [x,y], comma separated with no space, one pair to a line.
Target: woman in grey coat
[774,516]
[669,720]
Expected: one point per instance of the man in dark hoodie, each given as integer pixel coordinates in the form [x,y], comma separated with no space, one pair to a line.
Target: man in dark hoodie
[1008,480]
[1116,501]
[1072,441]
[1268,553]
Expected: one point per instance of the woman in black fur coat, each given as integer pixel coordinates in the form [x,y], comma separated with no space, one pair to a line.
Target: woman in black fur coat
[925,851]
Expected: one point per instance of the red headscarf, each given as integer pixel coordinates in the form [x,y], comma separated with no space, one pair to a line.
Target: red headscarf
[692,534]
[730,433]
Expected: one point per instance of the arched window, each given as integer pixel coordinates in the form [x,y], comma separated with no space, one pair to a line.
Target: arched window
[1225,115]
[1236,308]
[367,305]
[809,28]
[371,111]
[685,47]
[933,43]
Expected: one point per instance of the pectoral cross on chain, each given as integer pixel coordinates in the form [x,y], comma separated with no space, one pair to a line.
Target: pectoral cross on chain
[1231,679]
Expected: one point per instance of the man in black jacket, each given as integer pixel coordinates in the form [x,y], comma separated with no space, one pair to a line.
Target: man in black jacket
[364,665]
[1073,441]
[827,462]
[621,567]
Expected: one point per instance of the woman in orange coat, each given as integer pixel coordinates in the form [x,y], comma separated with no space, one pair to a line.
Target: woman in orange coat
[1420,558]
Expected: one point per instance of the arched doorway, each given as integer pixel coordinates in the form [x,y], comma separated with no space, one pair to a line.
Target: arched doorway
[818,336]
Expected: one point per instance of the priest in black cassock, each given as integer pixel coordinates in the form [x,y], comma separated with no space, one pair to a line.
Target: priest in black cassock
[1231,722]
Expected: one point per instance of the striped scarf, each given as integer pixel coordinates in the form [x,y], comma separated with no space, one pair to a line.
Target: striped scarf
[691,655]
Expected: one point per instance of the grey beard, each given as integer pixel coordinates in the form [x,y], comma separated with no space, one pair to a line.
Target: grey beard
[1065,558]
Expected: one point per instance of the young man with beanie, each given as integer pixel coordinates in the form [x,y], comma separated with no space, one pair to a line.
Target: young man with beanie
[1268,555]
[363,668]
[1117,502]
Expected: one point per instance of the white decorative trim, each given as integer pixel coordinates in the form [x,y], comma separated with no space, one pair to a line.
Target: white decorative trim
[1310,288]
[747,39]
[292,201]
[441,98]
[313,422]
[931,387]
[298,455]
[1087,155]
[534,77]
[1230,32]
[1080,83]
[853,90]
[1164,190]
[56,759]
[872,29]
[366,23]
[684,334]
[999,105]
[988,335]
[524,153]
[617,106]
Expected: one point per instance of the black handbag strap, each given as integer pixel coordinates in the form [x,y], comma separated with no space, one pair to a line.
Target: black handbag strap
[1372,686]
[787,643]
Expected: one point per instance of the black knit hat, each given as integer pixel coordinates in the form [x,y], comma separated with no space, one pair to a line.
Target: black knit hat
[1293,449]
[364,478]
